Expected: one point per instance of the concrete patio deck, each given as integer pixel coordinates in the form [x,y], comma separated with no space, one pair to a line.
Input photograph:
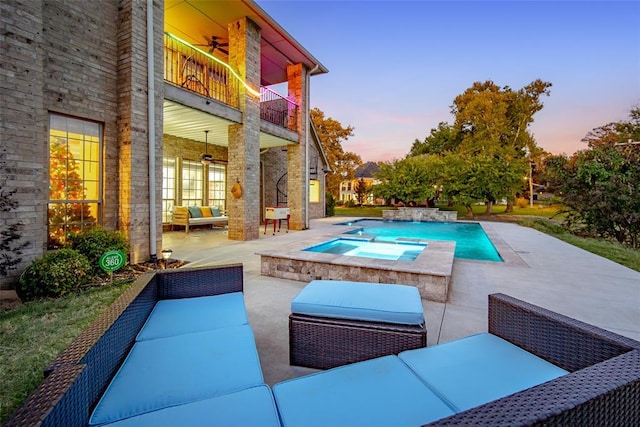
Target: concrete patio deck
[543,271]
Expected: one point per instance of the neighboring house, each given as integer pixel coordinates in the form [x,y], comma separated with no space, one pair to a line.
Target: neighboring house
[106,123]
[349,188]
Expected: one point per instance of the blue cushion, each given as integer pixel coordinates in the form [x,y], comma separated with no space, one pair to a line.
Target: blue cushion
[188,315]
[376,392]
[478,369]
[215,211]
[171,371]
[361,301]
[251,407]
[194,212]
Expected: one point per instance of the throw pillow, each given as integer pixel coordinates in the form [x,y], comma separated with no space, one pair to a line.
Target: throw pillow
[195,212]
[215,211]
[206,212]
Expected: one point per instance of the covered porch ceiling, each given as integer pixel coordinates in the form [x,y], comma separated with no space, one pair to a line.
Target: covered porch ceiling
[198,20]
[190,123]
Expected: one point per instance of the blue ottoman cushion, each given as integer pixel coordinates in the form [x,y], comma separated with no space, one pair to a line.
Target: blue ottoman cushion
[373,302]
[251,407]
[478,369]
[171,371]
[183,316]
[376,392]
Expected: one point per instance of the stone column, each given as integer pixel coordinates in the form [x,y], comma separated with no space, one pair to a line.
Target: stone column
[243,170]
[133,132]
[297,180]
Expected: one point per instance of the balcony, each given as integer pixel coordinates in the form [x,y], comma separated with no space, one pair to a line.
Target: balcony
[277,109]
[197,71]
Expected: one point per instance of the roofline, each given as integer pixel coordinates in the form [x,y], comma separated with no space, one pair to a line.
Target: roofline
[317,67]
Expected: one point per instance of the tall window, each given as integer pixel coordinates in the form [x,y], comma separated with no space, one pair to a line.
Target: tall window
[217,185]
[75,172]
[314,191]
[168,187]
[192,183]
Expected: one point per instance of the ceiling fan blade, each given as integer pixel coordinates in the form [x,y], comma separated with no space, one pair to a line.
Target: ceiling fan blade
[226,52]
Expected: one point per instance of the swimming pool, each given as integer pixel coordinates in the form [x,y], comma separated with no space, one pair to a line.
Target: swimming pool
[471,240]
[399,251]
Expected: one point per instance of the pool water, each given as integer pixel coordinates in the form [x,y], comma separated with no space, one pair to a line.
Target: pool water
[471,240]
[365,248]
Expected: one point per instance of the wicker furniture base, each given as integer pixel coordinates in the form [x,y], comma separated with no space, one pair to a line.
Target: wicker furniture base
[323,343]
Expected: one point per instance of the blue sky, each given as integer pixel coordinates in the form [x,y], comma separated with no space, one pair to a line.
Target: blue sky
[396,66]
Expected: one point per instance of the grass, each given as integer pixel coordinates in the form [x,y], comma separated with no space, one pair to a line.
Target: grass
[614,251]
[478,210]
[32,335]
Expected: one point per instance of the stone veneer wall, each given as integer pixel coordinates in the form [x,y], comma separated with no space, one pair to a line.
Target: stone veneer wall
[432,287]
[419,214]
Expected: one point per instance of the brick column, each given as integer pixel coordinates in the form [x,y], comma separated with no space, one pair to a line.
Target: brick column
[244,139]
[23,139]
[297,192]
[133,139]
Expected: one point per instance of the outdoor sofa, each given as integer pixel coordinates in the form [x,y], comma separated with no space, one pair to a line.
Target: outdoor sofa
[602,386]
[187,216]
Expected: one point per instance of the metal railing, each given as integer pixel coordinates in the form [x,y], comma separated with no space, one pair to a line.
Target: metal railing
[195,70]
[198,72]
[278,110]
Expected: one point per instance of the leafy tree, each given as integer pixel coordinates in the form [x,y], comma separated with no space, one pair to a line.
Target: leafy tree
[602,186]
[362,190]
[343,163]
[439,141]
[492,124]
[411,179]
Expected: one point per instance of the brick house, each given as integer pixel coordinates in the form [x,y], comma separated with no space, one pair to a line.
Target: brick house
[107,107]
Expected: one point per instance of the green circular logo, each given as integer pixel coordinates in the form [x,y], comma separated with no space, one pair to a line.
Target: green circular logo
[112,260]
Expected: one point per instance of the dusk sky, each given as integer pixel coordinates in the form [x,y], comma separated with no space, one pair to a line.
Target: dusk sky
[396,66]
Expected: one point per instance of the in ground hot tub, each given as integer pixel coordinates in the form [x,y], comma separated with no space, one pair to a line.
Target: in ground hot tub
[399,251]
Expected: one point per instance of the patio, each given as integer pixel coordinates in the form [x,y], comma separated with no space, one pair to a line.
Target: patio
[546,272]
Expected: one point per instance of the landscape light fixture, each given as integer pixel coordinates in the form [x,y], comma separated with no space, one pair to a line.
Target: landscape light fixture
[166,255]
[206,158]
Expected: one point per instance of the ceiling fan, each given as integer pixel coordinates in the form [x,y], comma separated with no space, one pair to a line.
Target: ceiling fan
[213,43]
[206,158]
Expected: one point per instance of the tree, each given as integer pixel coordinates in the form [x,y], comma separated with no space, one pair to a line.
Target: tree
[343,163]
[439,141]
[413,179]
[362,190]
[602,186]
[491,124]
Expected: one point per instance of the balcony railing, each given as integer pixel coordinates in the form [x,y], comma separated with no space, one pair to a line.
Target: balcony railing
[199,72]
[277,109]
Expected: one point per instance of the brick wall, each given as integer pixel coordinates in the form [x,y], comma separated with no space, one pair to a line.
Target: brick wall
[244,139]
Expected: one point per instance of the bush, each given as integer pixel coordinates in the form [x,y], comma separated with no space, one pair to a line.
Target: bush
[330,205]
[521,202]
[54,275]
[94,242]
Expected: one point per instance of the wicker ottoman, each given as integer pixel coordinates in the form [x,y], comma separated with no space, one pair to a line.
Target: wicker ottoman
[333,323]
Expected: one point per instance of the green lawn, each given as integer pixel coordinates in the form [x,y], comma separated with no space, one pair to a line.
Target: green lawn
[32,335]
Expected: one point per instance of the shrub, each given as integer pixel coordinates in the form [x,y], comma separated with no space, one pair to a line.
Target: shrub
[521,202]
[54,275]
[94,242]
[330,205]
